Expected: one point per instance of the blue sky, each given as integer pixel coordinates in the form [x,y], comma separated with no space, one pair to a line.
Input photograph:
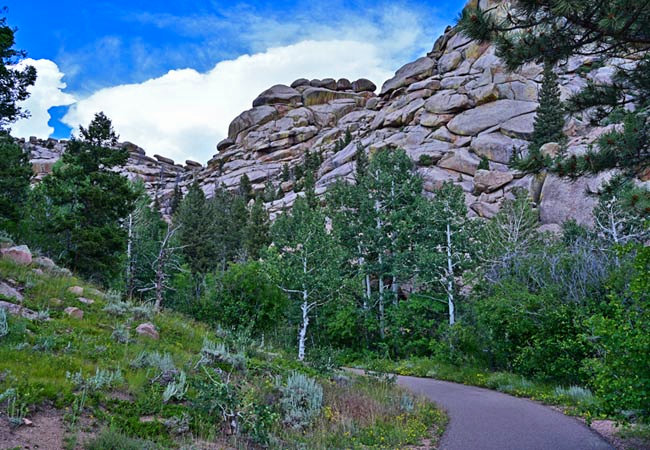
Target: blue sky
[172,74]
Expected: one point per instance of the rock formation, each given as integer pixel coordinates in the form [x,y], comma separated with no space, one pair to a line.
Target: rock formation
[447,109]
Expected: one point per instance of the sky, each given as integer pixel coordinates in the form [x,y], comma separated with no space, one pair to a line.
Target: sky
[172,74]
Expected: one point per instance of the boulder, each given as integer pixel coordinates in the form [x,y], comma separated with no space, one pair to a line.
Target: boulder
[86,301]
[278,94]
[410,73]
[19,254]
[247,119]
[562,199]
[550,149]
[147,329]
[193,164]
[449,61]
[327,83]
[343,84]
[162,159]
[490,180]
[74,312]
[496,146]
[44,263]
[76,290]
[460,160]
[300,82]
[486,116]
[10,292]
[18,310]
[485,209]
[224,144]
[363,85]
[319,96]
[519,127]
[446,102]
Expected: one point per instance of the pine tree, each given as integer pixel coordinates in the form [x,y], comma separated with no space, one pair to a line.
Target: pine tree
[256,235]
[286,173]
[246,188]
[549,121]
[88,202]
[177,198]
[195,232]
[15,176]
[361,159]
[14,80]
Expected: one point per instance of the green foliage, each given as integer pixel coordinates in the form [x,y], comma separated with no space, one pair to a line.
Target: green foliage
[256,233]
[111,439]
[621,375]
[84,202]
[248,299]
[246,188]
[302,400]
[549,120]
[483,165]
[14,80]
[627,150]
[15,176]
[4,326]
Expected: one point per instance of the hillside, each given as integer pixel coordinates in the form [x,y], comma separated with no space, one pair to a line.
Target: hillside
[80,367]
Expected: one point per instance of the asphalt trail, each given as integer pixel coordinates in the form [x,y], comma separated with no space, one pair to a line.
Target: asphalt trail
[481,419]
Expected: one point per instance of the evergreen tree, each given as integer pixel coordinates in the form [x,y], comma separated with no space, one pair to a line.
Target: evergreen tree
[549,121]
[246,188]
[88,202]
[361,159]
[548,125]
[15,176]
[14,80]
[286,173]
[177,198]
[196,232]
[256,235]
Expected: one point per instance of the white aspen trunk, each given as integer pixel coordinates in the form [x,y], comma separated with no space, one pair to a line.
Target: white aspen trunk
[450,279]
[302,335]
[129,257]
[382,320]
[368,292]
[394,287]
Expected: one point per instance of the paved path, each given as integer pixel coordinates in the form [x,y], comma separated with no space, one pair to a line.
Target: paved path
[480,419]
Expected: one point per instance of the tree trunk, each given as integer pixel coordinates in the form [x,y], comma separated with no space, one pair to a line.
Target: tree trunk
[450,279]
[129,258]
[302,335]
[382,318]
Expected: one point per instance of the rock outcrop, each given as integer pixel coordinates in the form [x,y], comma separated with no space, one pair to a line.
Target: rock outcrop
[448,110]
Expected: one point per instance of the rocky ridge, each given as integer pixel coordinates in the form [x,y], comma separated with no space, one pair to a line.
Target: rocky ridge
[447,110]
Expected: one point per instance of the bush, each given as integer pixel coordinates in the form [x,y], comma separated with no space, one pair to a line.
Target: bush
[218,353]
[302,400]
[4,327]
[249,299]
[111,439]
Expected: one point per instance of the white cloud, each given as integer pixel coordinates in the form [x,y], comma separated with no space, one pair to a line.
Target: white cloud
[184,113]
[45,93]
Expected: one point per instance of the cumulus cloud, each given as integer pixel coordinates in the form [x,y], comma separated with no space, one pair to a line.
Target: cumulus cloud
[46,93]
[184,113]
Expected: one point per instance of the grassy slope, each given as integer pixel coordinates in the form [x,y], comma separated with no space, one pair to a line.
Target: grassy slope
[36,356]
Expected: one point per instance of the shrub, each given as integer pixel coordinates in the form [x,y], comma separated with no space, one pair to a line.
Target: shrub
[249,299]
[162,362]
[575,393]
[4,326]
[426,160]
[302,400]
[176,389]
[111,439]
[218,353]
[102,379]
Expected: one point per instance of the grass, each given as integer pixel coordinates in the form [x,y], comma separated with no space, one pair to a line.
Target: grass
[575,400]
[232,400]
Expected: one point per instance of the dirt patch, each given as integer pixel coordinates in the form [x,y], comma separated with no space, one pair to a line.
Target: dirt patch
[610,431]
[47,431]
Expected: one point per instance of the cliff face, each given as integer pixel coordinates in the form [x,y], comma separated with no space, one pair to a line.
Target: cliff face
[447,109]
